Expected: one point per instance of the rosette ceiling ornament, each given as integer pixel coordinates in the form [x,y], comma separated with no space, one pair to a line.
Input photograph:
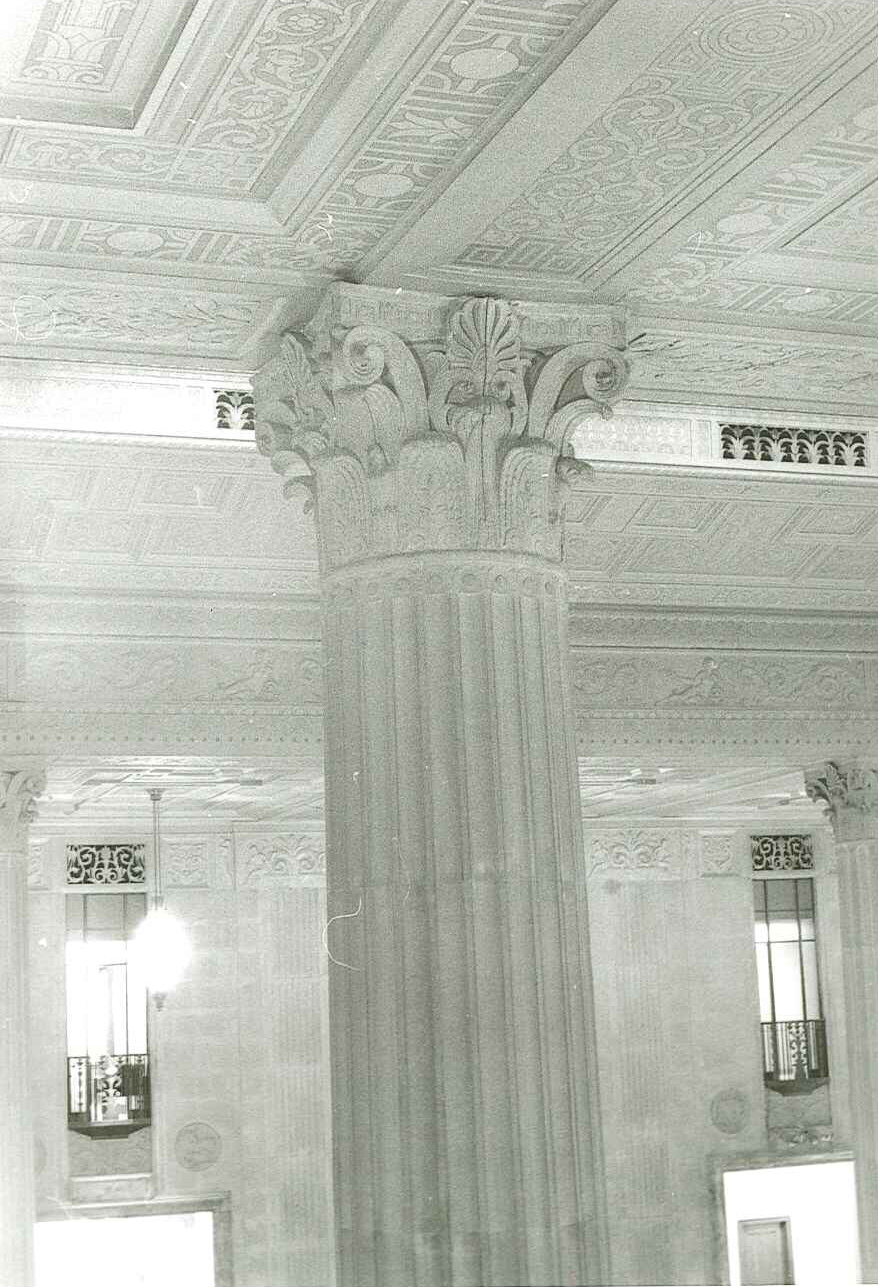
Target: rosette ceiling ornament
[407,444]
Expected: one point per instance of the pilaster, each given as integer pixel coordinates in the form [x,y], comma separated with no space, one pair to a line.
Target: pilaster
[19,788]
[849,791]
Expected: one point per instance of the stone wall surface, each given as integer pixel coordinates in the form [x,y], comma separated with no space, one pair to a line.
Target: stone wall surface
[238,1055]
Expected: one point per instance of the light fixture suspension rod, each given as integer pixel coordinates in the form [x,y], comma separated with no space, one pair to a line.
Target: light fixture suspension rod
[155,795]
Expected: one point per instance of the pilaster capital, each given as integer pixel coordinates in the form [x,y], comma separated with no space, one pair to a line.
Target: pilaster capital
[19,791]
[849,793]
[420,423]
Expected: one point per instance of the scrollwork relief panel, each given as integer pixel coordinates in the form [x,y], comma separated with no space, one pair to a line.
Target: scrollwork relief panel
[279,861]
[721,680]
[634,854]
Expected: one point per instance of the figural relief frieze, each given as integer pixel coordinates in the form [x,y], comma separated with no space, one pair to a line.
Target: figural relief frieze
[460,445]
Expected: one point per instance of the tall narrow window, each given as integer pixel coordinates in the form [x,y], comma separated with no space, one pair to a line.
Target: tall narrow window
[107,1059]
[793,1033]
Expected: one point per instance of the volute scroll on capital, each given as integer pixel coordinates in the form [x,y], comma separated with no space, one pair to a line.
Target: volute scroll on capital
[19,792]
[849,793]
[414,445]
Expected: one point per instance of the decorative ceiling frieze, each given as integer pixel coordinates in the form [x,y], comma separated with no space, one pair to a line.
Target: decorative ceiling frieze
[711,167]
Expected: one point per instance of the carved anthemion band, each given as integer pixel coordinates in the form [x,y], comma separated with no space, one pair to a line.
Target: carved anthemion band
[235,410]
[793,445]
[19,791]
[410,447]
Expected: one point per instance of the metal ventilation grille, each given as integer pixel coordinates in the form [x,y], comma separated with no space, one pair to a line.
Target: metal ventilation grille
[235,409]
[786,445]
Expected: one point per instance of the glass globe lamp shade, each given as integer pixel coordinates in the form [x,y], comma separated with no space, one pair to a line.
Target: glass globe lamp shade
[160,951]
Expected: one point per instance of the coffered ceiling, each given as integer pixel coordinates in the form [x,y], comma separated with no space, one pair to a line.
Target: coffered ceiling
[179,180]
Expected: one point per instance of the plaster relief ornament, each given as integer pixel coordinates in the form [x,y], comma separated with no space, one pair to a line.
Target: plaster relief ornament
[458,442]
[844,787]
[730,1111]
[197,1146]
[19,792]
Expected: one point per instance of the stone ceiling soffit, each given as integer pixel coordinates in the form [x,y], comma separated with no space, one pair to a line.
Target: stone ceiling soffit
[296,180]
[81,200]
[93,64]
[374,164]
[774,368]
[614,52]
[53,313]
[811,119]
[704,106]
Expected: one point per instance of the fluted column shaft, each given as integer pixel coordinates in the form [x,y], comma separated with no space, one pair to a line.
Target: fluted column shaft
[17,792]
[466,1142]
[466,1133]
[851,792]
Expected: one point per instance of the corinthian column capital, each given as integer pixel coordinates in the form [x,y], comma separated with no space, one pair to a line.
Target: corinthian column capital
[19,791]
[849,793]
[422,423]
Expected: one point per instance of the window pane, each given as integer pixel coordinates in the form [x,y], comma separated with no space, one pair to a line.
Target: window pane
[783,929]
[760,928]
[787,981]
[103,916]
[781,895]
[812,995]
[764,983]
[806,894]
[77,986]
[807,926]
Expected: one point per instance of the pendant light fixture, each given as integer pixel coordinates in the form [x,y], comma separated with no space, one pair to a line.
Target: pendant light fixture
[161,945]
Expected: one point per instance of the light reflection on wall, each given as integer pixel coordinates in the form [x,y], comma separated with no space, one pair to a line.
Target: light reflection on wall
[818,1200]
[130,1251]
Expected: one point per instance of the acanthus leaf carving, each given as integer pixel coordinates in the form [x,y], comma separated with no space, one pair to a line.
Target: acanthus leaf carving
[633,853]
[414,446]
[841,788]
[19,792]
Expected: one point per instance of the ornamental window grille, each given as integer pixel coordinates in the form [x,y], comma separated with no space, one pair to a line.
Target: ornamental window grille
[782,853]
[235,410]
[791,1013]
[791,445]
[106,864]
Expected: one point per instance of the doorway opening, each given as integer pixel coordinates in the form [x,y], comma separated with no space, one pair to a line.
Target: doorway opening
[791,1224]
[126,1251]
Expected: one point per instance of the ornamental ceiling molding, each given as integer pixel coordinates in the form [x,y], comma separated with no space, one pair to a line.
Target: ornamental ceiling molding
[704,97]
[677,361]
[61,732]
[159,247]
[40,317]
[796,211]
[680,736]
[474,80]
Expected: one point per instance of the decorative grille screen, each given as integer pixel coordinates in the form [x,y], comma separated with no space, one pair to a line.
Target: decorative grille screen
[782,853]
[235,409]
[793,446]
[105,864]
